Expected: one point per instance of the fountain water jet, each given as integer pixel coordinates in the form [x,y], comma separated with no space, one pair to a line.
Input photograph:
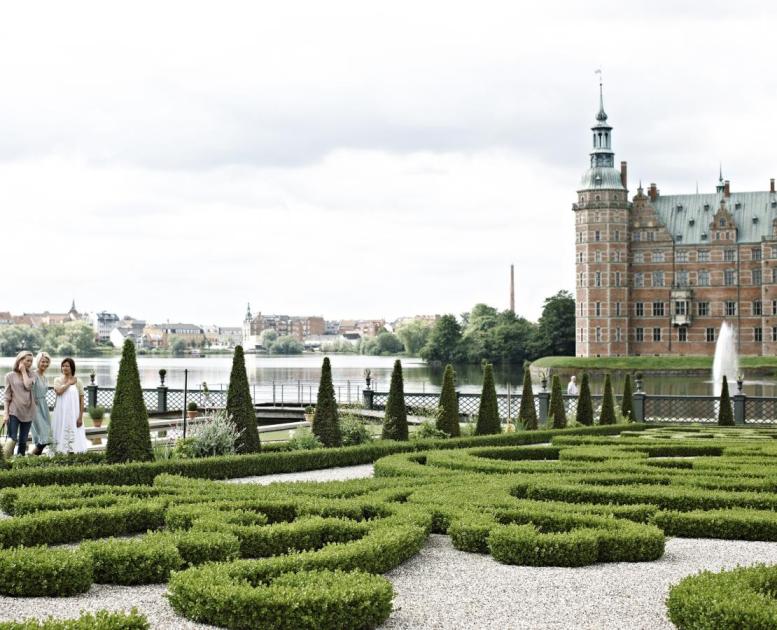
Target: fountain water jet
[726,361]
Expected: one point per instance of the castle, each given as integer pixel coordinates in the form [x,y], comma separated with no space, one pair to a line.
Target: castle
[659,274]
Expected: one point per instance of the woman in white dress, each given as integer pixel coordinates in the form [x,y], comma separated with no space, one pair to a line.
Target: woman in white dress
[68,425]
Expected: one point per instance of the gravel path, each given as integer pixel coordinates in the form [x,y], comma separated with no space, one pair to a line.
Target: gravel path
[442,588]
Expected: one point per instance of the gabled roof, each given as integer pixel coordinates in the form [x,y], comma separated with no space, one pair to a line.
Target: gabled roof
[686,216]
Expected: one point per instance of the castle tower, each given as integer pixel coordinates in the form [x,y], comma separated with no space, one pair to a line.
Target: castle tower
[601,249]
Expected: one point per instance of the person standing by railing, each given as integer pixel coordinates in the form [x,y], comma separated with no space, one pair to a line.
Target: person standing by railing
[19,403]
[41,423]
[571,391]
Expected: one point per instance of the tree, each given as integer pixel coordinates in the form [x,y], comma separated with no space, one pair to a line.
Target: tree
[240,407]
[557,415]
[556,327]
[488,413]
[725,414]
[527,414]
[585,407]
[512,339]
[627,406]
[448,411]
[607,413]
[444,341]
[18,337]
[395,418]
[177,345]
[414,335]
[326,424]
[129,437]
[267,338]
[286,345]
[384,343]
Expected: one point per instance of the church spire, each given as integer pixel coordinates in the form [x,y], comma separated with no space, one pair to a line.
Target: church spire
[602,154]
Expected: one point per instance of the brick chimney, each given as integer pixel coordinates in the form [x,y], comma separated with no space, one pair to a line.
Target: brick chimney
[771,185]
[726,189]
[625,178]
[653,191]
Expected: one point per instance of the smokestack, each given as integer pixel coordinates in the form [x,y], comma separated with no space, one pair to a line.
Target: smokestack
[771,185]
[652,191]
[624,175]
[726,189]
[512,288]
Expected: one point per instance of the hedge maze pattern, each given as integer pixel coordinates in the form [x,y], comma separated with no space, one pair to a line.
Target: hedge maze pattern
[311,555]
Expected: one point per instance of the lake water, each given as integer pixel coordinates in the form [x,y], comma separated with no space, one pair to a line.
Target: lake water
[299,372]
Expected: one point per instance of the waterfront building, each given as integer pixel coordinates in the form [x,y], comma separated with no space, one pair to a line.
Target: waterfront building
[659,274]
[103,324]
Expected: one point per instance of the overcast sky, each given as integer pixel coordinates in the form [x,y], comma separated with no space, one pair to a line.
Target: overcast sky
[349,159]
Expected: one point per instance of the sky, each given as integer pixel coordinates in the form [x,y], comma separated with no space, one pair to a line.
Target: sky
[177,160]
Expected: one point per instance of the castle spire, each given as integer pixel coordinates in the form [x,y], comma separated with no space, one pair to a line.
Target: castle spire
[601,116]
[721,184]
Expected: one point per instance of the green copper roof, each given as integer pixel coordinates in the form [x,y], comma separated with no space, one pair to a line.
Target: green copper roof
[601,178]
[686,217]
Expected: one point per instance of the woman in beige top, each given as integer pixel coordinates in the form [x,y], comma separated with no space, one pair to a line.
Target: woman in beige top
[19,403]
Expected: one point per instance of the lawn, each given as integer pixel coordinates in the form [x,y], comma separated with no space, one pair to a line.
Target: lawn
[646,363]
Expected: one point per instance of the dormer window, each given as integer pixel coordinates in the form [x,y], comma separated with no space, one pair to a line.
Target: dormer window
[679,238]
[706,207]
[692,222]
[704,236]
[755,219]
[737,206]
[679,207]
[722,223]
[774,204]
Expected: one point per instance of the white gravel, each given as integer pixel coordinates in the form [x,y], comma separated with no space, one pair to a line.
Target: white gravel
[442,588]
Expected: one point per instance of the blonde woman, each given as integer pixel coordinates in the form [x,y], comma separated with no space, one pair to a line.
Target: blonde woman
[19,403]
[41,423]
[68,425]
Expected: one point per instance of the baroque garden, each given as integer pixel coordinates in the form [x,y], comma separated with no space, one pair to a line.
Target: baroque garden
[315,555]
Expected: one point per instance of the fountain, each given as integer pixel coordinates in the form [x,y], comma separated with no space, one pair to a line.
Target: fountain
[725,362]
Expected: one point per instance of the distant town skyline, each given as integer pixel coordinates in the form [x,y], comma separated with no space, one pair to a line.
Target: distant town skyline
[350,159]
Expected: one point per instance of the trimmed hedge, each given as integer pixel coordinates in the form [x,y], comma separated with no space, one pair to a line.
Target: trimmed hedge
[148,560]
[729,600]
[43,572]
[525,545]
[732,524]
[101,620]
[319,599]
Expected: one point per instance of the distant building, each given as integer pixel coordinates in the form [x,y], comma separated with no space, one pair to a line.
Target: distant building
[128,328]
[299,327]
[428,319]
[36,320]
[103,324]
[362,327]
[223,336]
[160,335]
[6,319]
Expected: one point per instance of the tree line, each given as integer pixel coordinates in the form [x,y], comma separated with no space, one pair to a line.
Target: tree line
[70,338]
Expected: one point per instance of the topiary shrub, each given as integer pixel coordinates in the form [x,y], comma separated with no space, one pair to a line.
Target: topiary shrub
[557,416]
[527,414]
[585,407]
[448,410]
[627,405]
[488,413]
[607,413]
[354,431]
[725,413]
[43,572]
[395,418]
[525,545]
[240,407]
[129,437]
[326,424]
[148,560]
[101,620]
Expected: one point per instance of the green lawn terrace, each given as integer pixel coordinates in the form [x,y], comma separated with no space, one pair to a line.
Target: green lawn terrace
[671,363]
[571,528]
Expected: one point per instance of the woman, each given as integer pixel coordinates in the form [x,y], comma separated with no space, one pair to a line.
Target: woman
[41,423]
[68,426]
[19,403]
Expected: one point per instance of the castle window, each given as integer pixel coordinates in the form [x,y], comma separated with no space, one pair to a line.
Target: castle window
[774,307]
[681,307]
[758,334]
[597,256]
[774,333]
[710,335]
[756,276]
[731,308]
[617,309]
[704,236]
[651,236]
[729,277]
[598,309]
[639,257]
[598,198]
[703,309]
[703,279]
[636,236]
[679,238]
[703,255]
[681,278]
[597,236]
[681,255]
[706,207]
[639,280]
[617,235]
[617,278]
[639,309]
[656,334]
[598,279]
[774,204]
[757,308]
[729,255]
[682,334]
[639,334]
[737,206]
[658,278]
[679,207]
[755,220]
[598,334]
[755,253]
[722,223]
[692,222]
[658,309]
[774,279]
[658,257]
[617,334]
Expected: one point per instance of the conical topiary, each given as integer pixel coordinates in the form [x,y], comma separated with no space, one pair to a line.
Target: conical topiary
[488,413]
[240,407]
[607,413]
[129,438]
[585,408]
[448,411]
[725,414]
[326,424]
[627,406]
[527,414]
[395,418]
[557,416]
